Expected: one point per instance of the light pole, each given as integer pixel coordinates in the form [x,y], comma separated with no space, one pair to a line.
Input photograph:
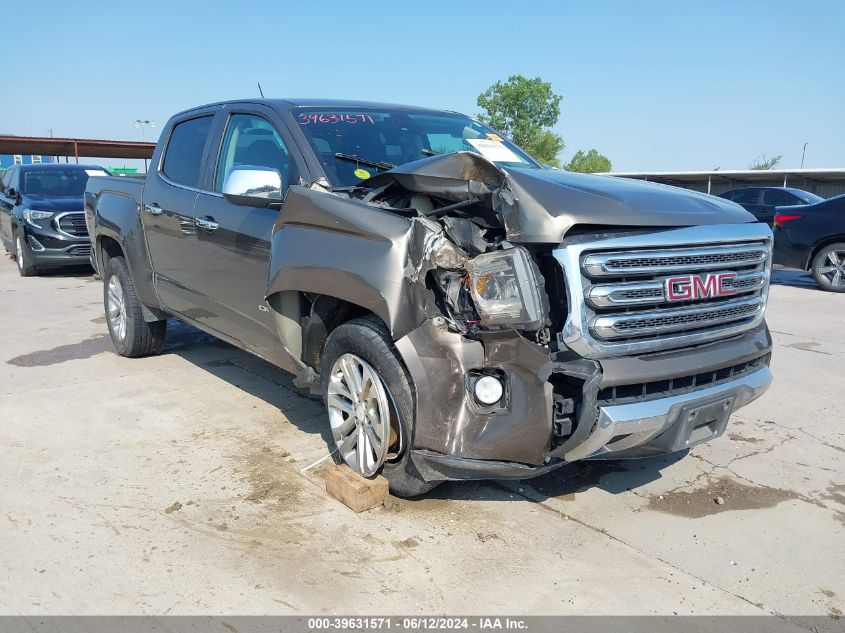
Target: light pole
[803,152]
[141,123]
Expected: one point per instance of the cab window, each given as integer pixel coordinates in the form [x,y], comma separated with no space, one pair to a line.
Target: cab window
[183,156]
[252,140]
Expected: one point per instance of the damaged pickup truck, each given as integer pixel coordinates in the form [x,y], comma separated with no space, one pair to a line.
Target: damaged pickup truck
[464,312]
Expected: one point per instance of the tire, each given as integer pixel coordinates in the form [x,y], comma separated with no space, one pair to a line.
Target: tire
[367,339]
[828,267]
[131,334]
[23,256]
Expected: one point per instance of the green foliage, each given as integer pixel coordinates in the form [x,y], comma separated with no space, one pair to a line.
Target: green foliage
[545,147]
[525,110]
[589,162]
[764,164]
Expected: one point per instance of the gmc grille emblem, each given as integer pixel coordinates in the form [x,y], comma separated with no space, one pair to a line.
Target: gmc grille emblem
[691,287]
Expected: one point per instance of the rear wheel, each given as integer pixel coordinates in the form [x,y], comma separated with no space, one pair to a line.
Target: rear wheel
[131,334]
[828,267]
[23,256]
[370,402]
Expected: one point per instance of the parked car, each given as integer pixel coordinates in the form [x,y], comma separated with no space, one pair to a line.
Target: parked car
[762,201]
[812,237]
[41,216]
[465,313]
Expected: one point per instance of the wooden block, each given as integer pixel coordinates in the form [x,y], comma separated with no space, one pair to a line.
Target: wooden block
[355,491]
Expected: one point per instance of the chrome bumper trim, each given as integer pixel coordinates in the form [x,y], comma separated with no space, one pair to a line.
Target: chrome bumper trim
[641,422]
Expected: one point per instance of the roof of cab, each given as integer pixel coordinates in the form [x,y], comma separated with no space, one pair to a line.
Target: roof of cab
[286,104]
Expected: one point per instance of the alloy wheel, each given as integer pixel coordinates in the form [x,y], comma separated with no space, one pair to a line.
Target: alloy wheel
[832,269]
[116,308]
[359,414]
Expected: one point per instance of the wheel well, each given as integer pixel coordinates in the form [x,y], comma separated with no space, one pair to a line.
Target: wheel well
[316,316]
[108,247]
[825,242]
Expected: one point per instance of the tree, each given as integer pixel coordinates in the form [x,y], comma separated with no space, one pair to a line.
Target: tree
[763,164]
[589,162]
[525,110]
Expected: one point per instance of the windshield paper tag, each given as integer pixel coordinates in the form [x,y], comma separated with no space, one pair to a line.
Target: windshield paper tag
[494,151]
[363,174]
[95,172]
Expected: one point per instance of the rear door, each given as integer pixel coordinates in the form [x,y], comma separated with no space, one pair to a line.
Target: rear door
[751,199]
[237,252]
[172,187]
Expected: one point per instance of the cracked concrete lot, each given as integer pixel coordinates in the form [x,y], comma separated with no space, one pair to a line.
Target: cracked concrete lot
[173,485]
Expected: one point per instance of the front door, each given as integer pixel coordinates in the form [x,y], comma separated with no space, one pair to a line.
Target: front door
[233,241]
[7,205]
[168,212]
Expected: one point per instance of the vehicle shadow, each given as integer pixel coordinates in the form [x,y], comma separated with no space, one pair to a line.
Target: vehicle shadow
[613,476]
[249,373]
[793,277]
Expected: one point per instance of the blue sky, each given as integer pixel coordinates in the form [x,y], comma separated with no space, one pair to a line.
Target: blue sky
[653,85]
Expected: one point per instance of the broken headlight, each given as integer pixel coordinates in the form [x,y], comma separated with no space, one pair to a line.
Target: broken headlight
[506,289]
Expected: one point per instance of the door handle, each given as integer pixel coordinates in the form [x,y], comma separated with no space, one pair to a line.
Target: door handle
[207,224]
[153,209]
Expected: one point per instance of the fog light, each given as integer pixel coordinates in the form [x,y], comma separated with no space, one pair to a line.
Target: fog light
[488,390]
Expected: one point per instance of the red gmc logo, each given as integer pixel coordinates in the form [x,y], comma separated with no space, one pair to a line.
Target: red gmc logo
[690,287]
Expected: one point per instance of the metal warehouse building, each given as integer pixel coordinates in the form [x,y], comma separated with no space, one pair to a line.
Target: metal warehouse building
[822,182]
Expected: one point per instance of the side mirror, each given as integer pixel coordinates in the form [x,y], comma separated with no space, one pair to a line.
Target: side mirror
[11,192]
[251,186]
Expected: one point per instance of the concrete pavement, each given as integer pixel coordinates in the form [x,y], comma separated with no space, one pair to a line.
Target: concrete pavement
[174,484]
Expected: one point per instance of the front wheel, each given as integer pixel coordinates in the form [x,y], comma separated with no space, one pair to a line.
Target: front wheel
[23,256]
[370,402]
[131,334]
[828,267]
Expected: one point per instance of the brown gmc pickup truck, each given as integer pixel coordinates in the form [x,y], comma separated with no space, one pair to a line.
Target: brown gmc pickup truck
[464,312]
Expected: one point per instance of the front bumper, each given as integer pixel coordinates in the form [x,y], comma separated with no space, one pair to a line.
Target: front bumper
[621,432]
[49,248]
[639,429]
[454,439]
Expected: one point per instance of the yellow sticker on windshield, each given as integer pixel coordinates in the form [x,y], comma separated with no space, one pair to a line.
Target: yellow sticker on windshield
[363,174]
[494,137]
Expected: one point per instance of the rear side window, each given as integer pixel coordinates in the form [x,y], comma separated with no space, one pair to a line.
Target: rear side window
[780,198]
[183,157]
[747,196]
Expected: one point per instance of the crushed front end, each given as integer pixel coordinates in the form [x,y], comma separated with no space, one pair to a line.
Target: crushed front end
[611,342]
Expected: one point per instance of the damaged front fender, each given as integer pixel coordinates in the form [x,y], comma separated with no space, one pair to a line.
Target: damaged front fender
[325,244]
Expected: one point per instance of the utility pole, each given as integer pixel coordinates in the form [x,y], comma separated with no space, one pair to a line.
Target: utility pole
[141,123]
[803,152]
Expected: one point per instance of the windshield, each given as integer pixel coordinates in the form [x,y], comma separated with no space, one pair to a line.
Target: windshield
[389,137]
[52,183]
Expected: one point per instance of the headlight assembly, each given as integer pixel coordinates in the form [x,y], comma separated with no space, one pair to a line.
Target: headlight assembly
[506,289]
[33,216]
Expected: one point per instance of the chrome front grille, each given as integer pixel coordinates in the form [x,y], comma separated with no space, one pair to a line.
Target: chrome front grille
[625,292]
[654,322]
[682,259]
[638,293]
[72,224]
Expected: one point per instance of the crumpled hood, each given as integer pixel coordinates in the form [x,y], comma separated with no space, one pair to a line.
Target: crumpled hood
[538,205]
[549,203]
[56,205]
